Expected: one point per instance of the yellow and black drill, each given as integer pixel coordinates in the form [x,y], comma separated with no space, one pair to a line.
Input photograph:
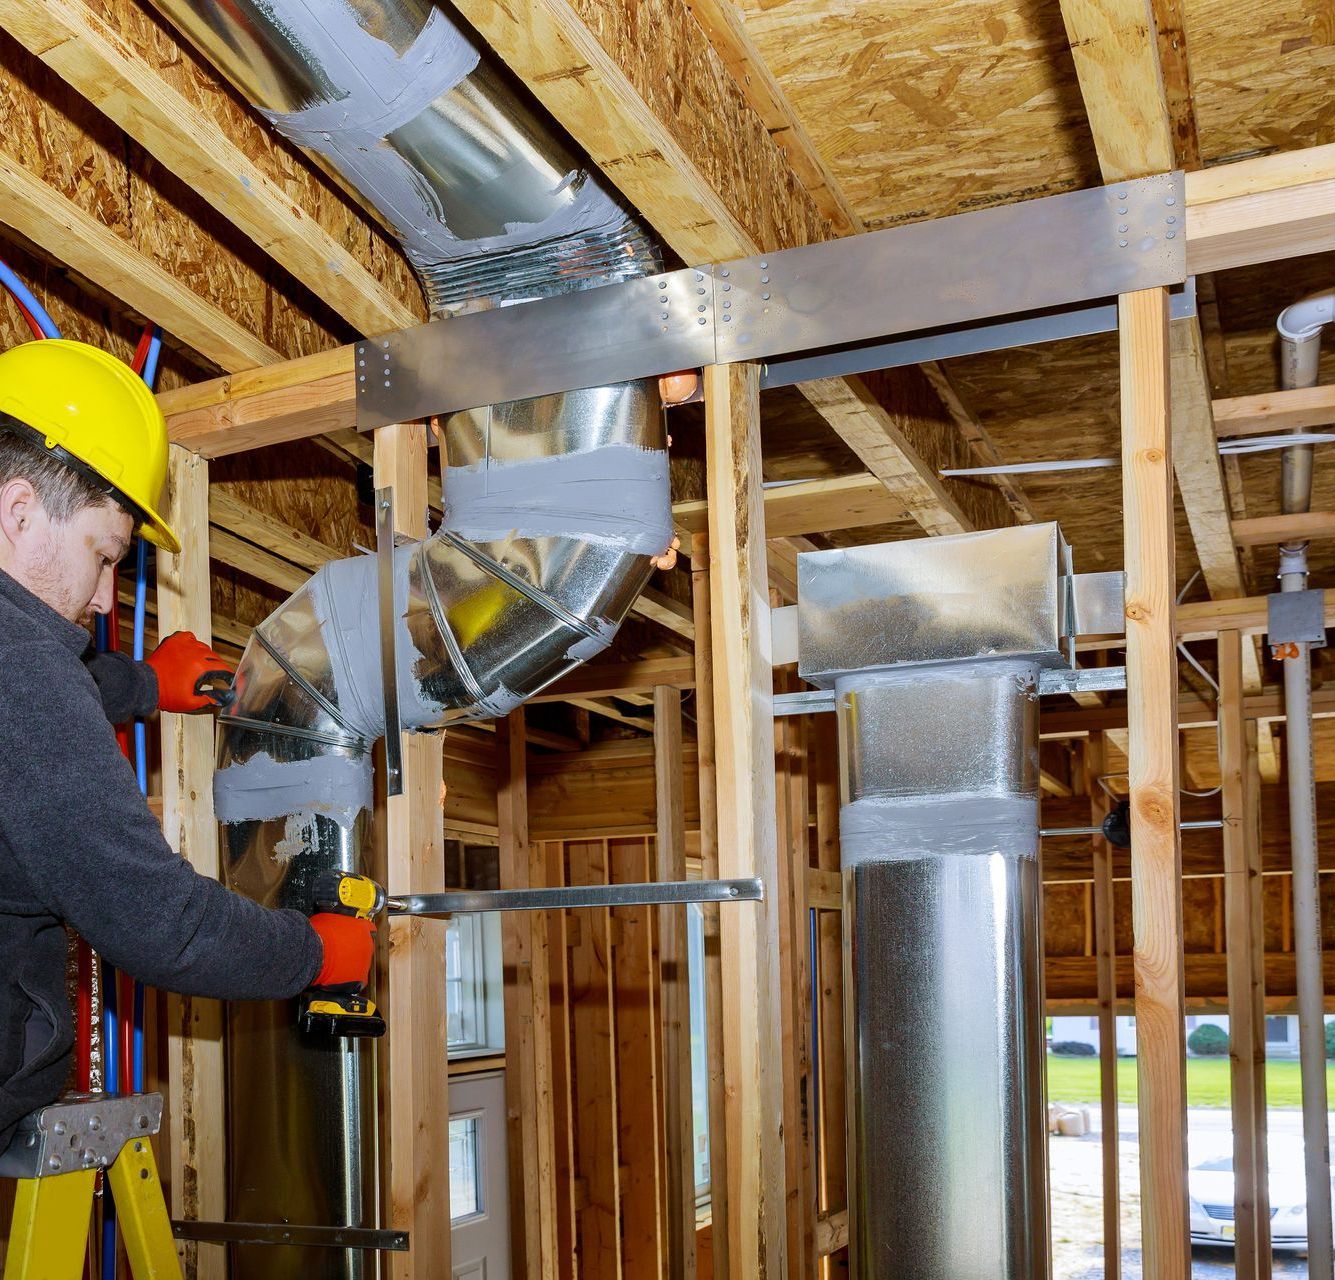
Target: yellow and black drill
[344,1010]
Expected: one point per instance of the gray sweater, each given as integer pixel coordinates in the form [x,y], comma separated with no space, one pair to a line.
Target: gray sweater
[79,846]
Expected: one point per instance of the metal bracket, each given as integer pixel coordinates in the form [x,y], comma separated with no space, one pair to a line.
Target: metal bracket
[84,1131]
[1296,617]
[1015,261]
[286,1233]
[389,667]
[659,894]
[1050,681]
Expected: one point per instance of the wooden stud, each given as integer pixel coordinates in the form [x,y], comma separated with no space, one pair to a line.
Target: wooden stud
[635,967]
[414,1066]
[596,1100]
[1264,531]
[830,970]
[1156,853]
[1105,951]
[563,1085]
[747,840]
[795,980]
[707,774]
[528,1041]
[674,959]
[195,1092]
[1246,971]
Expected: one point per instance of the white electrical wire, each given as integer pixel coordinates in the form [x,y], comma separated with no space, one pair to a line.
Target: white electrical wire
[1264,444]
[1028,468]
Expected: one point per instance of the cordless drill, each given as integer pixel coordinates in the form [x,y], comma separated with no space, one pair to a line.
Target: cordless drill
[345,1010]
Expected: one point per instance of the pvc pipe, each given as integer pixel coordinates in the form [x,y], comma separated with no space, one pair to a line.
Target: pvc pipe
[1300,333]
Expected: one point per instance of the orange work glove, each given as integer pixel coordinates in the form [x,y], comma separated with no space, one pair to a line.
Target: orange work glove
[349,948]
[186,667]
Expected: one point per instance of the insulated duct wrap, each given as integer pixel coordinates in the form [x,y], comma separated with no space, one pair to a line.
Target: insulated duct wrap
[939,845]
[552,510]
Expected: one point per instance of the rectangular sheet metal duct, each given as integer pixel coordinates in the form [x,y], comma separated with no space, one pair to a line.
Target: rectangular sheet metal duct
[934,648]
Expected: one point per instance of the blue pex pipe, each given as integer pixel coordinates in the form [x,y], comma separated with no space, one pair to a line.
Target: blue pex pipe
[11,281]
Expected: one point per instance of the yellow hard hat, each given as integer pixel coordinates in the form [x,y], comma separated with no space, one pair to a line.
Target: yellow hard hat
[95,413]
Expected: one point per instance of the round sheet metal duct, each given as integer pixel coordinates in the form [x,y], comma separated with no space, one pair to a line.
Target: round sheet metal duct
[553,508]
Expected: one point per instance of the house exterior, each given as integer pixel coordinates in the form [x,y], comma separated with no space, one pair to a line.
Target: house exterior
[1281,1032]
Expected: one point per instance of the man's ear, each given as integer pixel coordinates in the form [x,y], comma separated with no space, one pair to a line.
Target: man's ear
[18,503]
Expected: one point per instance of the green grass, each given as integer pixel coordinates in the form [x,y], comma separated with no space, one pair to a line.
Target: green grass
[1077,1080]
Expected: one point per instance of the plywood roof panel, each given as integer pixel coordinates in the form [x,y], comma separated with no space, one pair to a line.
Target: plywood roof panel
[927,108]
[1262,75]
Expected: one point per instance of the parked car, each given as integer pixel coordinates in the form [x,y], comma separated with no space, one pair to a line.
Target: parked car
[1210,1183]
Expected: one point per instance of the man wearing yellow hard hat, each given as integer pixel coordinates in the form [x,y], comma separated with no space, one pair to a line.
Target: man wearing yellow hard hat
[83,458]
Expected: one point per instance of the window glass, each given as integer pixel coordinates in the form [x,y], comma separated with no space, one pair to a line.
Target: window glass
[465,1167]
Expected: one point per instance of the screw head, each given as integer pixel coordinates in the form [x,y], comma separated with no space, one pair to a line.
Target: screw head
[53,1162]
[701,320]
[58,1128]
[95,1124]
[1121,244]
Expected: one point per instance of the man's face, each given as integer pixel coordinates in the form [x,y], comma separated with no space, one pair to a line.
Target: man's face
[69,564]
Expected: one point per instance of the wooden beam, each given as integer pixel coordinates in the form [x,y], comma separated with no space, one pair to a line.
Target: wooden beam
[1205,619]
[747,839]
[237,553]
[609,710]
[1153,781]
[1260,210]
[1122,85]
[1246,973]
[195,1091]
[76,238]
[674,960]
[829,997]
[607,679]
[1272,412]
[1264,531]
[528,1041]
[224,156]
[253,408]
[792,811]
[598,1159]
[241,519]
[1105,952]
[663,609]
[415,1112]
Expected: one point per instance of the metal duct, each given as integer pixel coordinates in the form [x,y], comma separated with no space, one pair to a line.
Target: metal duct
[397,100]
[1300,351]
[553,509]
[939,840]
[934,648]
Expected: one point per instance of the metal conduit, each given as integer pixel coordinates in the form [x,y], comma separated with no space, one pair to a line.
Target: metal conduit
[1300,349]
[553,508]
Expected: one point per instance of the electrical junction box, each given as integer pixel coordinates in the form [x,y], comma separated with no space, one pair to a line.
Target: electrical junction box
[1296,617]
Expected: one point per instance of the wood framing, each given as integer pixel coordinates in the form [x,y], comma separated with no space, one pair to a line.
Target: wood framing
[1151,660]
[679,1129]
[1246,969]
[747,839]
[196,1161]
[415,1100]
[1265,531]
[226,155]
[1297,409]
[528,1041]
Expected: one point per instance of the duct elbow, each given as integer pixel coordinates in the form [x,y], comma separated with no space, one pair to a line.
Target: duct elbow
[554,510]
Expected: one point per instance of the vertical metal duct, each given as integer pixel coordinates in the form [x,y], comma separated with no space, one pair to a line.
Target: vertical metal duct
[934,648]
[1300,351]
[553,509]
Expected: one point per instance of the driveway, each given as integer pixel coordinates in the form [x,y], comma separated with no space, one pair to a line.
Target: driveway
[1077,1198]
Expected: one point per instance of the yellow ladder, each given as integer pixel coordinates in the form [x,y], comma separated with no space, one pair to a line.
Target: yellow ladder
[55,1155]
